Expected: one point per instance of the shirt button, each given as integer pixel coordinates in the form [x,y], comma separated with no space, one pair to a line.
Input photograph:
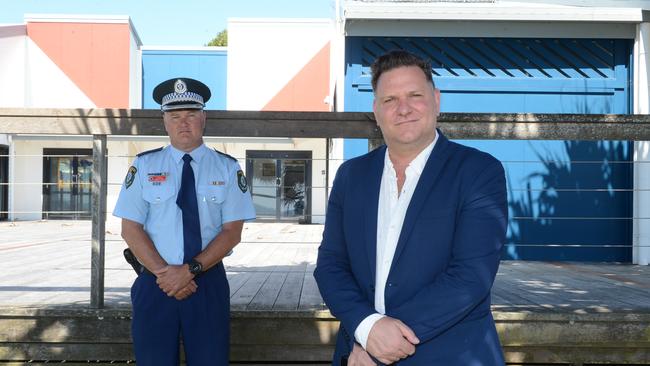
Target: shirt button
[157,199]
[213,199]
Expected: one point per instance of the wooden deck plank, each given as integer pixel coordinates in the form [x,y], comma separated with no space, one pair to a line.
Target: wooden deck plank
[246,293]
[565,289]
[310,298]
[289,296]
[236,280]
[63,275]
[267,295]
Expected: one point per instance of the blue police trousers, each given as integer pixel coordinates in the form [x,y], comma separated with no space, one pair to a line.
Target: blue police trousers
[203,321]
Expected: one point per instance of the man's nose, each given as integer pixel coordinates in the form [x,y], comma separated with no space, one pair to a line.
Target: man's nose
[403,106]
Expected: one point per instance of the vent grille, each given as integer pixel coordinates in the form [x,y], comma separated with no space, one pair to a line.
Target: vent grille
[504,57]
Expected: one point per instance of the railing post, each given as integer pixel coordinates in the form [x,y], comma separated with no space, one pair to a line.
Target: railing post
[99,191]
[328,141]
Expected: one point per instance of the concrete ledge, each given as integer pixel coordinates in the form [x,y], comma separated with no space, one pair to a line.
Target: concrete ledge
[79,334]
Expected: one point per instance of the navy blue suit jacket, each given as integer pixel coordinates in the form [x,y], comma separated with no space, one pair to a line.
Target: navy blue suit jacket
[446,258]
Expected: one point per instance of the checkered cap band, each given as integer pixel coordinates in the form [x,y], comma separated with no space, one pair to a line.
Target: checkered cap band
[182,97]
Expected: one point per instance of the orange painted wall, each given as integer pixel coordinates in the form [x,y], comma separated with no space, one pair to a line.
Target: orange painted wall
[94,56]
[307,90]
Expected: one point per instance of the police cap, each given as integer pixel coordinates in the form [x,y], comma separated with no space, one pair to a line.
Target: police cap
[181,93]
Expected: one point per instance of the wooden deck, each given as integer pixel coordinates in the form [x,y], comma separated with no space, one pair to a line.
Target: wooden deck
[546,312]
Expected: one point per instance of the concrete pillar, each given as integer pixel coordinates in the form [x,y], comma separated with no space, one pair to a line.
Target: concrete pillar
[641,212]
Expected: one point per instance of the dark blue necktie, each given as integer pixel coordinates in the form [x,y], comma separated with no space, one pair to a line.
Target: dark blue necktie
[186,200]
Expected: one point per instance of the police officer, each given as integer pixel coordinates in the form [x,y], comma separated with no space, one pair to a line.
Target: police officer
[182,208]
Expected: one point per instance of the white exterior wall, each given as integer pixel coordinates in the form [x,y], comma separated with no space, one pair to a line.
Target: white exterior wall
[12,58]
[263,55]
[641,225]
[28,172]
[462,28]
[135,73]
[28,168]
[338,87]
[48,86]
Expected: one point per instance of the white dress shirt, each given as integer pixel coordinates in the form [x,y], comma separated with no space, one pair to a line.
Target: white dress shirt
[390,217]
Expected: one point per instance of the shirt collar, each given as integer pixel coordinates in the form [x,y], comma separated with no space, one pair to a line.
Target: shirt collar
[417,165]
[196,154]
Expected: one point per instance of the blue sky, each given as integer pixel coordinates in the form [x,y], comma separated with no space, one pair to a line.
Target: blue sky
[168,22]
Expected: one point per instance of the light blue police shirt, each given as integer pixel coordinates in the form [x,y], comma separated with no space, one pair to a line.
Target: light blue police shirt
[149,191]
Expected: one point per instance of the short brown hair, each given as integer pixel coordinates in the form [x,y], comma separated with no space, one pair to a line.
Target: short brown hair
[398,58]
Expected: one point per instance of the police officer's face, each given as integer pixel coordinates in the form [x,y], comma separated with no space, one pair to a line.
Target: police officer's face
[185,128]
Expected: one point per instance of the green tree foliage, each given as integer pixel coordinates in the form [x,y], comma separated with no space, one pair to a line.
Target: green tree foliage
[220,40]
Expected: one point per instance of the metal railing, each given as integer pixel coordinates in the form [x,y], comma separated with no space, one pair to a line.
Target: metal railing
[100,123]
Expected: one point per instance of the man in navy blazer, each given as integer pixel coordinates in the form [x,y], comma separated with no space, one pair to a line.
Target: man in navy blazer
[413,235]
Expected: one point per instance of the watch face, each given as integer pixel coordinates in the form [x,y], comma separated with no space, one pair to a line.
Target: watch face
[195,267]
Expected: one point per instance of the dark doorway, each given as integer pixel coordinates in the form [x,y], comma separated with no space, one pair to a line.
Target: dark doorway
[67,183]
[280,184]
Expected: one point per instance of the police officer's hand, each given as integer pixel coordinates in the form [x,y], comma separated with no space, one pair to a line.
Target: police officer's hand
[171,279]
[186,291]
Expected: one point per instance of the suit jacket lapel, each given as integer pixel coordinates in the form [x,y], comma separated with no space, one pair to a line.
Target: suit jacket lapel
[430,174]
[371,203]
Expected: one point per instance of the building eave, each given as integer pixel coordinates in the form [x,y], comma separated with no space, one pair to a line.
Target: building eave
[491,12]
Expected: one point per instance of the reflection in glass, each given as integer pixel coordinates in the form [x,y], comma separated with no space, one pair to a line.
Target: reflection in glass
[67,184]
[280,184]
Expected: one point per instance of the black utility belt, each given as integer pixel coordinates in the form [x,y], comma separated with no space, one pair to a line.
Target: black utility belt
[139,268]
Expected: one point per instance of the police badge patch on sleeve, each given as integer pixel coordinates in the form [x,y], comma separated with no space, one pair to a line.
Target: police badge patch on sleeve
[241,181]
[130,177]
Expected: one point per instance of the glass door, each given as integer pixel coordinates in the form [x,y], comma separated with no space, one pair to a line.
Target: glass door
[293,176]
[280,183]
[67,183]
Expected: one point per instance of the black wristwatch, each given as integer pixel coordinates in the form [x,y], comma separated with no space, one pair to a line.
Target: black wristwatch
[195,267]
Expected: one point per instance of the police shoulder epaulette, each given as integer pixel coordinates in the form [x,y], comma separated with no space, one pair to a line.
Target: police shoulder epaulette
[149,152]
[224,154]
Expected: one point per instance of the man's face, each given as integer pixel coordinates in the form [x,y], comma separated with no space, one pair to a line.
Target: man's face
[185,128]
[406,108]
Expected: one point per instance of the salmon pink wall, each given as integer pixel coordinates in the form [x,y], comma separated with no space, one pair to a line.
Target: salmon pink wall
[95,56]
[307,90]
